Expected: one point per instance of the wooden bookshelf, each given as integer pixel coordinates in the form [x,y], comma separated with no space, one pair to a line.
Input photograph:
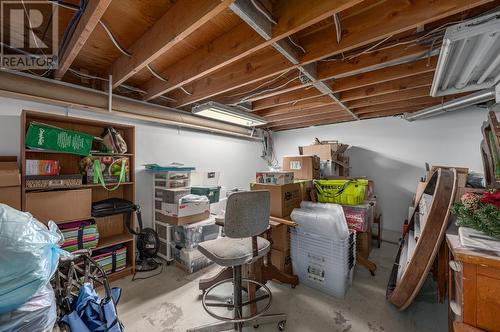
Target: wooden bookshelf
[112,230]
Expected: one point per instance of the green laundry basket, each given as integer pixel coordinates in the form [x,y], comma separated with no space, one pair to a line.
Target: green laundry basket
[345,192]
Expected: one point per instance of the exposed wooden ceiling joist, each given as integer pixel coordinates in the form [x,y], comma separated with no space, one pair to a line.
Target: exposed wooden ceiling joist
[285,98]
[177,23]
[395,111]
[300,113]
[398,104]
[304,124]
[301,105]
[332,114]
[377,24]
[88,21]
[293,15]
[392,97]
[410,82]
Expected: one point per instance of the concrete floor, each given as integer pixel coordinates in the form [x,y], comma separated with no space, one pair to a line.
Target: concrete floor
[170,302]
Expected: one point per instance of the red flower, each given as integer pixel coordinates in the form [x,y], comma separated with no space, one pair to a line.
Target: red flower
[491,198]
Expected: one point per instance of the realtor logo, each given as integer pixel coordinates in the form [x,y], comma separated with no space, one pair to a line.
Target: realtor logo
[29,35]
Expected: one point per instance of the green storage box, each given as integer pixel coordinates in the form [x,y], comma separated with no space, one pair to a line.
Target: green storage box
[345,192]
[213,193]
[45,137]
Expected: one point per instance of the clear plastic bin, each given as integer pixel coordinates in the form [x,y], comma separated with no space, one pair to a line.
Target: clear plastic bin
[191,260]
[189,236]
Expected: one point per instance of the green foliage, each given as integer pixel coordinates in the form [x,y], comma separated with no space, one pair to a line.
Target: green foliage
[486,218]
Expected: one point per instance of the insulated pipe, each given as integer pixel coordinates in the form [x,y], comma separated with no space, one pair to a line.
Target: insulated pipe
[21,85]
[472,99]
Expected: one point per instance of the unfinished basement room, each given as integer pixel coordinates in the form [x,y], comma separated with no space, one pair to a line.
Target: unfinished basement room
[249,165]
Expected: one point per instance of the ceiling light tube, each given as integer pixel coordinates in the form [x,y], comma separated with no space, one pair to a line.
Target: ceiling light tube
[221,112]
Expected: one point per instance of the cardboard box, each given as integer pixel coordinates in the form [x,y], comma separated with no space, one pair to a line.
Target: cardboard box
[280,237]
[282,260]
[10,182]
[306,189]
[42,167]
[172,195]
[161,216]
[64,205]
[303,167]
[277,178]
[284,198]
[186,213]
[323,151]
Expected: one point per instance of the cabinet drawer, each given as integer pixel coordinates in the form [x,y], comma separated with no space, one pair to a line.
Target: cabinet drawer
[63,205]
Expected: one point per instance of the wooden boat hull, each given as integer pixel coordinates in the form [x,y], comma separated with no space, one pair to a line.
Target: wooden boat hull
[442,185]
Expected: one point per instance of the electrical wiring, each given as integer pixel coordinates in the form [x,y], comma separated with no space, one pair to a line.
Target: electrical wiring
[338,28]
[264,12]
[185,91]
[268,90]
[113,39]
[261,85]
[370,48]
[155,74]
[64,5]
[294,43]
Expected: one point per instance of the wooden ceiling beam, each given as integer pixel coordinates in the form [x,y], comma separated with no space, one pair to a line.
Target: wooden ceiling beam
[382,22]
[396,111]
[391,97]
[301,105]
[299,113]
[384,75]
[327,115]
[305,124]
[388,87]
[292,16]
[398,104]
[174,26]
[353,82]
[94,10]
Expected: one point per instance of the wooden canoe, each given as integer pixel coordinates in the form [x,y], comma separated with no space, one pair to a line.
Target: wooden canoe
[442,187]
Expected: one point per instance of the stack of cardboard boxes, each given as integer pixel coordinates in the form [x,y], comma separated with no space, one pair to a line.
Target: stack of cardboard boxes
[10,182]
[288,189]
[332,159]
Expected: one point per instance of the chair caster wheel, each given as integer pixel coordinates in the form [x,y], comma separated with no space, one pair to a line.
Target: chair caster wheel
[256,326]
[281,325]
[293,286]
[168,263]
[372,273]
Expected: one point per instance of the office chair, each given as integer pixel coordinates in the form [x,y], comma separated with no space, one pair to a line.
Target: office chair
[247,216]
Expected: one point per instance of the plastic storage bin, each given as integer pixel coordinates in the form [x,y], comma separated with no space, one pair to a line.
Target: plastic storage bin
[213,193]
[191,260]
[189,236]
[324,264]
[177,179]
[359,217]
[345,192]
[205,179]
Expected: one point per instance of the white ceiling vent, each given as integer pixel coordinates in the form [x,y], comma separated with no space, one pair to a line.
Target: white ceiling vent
[470,57]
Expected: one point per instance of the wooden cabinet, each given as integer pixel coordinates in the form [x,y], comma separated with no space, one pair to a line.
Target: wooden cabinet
[474,286]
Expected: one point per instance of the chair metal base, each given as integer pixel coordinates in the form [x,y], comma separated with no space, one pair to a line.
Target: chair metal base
[279,319]
[238,320]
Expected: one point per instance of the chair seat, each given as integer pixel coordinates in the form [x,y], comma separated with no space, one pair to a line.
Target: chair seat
[233,252]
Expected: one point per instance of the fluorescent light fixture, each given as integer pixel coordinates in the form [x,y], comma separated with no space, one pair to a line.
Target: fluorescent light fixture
[470,57]
[221,112]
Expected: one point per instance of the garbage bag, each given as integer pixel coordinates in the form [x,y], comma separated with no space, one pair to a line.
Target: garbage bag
[30,254]
[38,314]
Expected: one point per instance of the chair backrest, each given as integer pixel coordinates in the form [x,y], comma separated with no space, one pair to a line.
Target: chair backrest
[247,213]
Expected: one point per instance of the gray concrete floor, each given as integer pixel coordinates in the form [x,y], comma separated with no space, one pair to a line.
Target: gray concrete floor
[170,302]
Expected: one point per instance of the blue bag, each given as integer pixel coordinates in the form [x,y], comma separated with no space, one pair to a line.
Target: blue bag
[30,255]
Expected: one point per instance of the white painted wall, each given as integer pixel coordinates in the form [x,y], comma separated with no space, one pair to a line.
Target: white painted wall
[236,159]
[392,152]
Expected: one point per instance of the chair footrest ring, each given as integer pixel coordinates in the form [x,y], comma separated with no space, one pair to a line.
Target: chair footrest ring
[233,306]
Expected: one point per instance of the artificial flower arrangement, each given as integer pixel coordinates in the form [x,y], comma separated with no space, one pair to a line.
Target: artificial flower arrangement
[480,211]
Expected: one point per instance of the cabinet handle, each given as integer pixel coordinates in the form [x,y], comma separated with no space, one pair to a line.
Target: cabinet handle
[455,266]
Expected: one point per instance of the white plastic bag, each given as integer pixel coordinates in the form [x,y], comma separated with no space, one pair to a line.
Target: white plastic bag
[38,314]
[30,254]
[321,218]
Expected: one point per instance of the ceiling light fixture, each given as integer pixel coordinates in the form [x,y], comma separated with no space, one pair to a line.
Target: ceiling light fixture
[470,57]
[221,112]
